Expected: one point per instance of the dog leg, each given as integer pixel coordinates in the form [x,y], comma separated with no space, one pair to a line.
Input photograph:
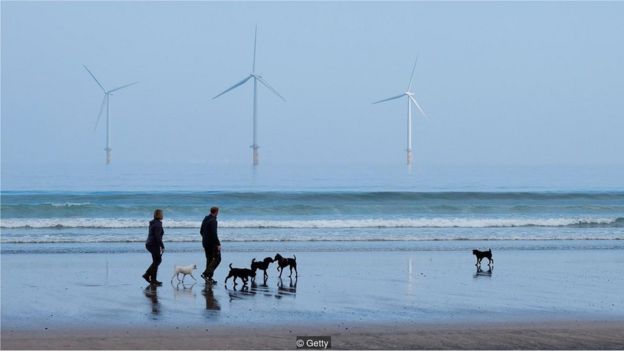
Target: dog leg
[192,277]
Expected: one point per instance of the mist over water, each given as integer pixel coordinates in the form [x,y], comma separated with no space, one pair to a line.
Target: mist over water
[312,176]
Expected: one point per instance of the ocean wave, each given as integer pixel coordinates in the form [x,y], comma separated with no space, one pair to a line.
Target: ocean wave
[85,239]
[105,223]
[67,204]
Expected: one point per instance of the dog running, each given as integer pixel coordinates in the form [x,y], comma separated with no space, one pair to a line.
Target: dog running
[242,273]
[186,270]
[483,254]
[261,265]
[286,262]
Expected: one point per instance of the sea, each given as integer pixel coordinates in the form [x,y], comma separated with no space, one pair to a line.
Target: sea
[108,209]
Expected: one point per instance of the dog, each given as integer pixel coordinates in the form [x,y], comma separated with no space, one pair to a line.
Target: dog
[186,270]
[242,273]
[261,265]
[483,254]
[286,262]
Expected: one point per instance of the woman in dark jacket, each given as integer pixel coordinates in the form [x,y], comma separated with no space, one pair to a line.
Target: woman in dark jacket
[155,246]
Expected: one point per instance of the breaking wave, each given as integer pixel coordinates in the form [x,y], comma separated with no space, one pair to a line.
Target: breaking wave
[104,223]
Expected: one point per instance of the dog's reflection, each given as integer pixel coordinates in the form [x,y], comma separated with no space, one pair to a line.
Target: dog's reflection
[289,290]
[262,288]
[151,292]
[183,291]
[212,303]
[237,294]
[481,273]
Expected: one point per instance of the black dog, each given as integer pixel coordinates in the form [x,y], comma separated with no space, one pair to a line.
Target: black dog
[242,273]
[285,262]
[483,254]
[262,265]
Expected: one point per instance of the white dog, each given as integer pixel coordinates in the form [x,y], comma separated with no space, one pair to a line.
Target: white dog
[184,270]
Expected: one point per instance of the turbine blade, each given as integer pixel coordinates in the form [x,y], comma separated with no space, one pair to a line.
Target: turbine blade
[92,76]
[388,99]
[234,86]
[418,106]
[123,86]
[101,110]
[409,86]
[264,82]
[253,67]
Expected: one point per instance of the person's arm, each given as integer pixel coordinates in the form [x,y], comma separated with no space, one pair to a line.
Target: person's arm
[203,230]
[159,236]
[213,232]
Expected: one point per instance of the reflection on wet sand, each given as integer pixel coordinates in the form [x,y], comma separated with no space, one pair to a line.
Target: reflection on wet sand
[212,304]
[261,288]
[239,294]
[289,290]
[151,292]
[183,291]
[481,273]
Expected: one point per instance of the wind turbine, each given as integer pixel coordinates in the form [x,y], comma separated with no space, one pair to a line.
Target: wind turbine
[256,78]
[410,100]
[105,101]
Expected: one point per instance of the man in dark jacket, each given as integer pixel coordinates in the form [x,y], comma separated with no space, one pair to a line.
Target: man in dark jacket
[154,244]
[211,244]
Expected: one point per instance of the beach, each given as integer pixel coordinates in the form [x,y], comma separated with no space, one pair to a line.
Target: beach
[362,298]
[376,270]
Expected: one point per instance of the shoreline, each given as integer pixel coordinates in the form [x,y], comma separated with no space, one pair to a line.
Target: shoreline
[552,299]
[506,335]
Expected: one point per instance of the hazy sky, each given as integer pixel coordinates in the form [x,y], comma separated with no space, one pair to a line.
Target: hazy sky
[503,83]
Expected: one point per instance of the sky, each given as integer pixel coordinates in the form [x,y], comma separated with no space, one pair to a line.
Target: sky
[503,83]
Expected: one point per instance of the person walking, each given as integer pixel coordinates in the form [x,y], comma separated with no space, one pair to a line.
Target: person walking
[211,244]
[154,244]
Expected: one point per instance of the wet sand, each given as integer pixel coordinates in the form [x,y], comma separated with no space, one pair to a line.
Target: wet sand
[364,299]
[568,335]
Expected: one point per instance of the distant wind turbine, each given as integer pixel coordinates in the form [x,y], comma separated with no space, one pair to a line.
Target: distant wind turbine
[256,78]
[410,100]
[105,100]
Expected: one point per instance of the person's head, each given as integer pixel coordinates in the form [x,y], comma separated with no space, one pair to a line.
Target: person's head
[158,214]
[214,211]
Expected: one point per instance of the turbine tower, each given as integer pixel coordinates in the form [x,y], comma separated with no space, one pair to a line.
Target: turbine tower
[410,100]
[105,100]
[256,78]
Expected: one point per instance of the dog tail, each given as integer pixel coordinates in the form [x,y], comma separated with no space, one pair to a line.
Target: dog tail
[253,260]
[230,266]
[295,257]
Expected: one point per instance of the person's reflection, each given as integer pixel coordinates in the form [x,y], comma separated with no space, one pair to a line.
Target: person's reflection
[481,273]
[151,292]
[212,303]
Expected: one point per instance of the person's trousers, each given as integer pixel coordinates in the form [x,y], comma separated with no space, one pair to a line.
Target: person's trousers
[152,270]
[213,258]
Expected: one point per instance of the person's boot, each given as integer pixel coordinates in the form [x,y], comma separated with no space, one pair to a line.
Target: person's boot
[147,277]
[155,281]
